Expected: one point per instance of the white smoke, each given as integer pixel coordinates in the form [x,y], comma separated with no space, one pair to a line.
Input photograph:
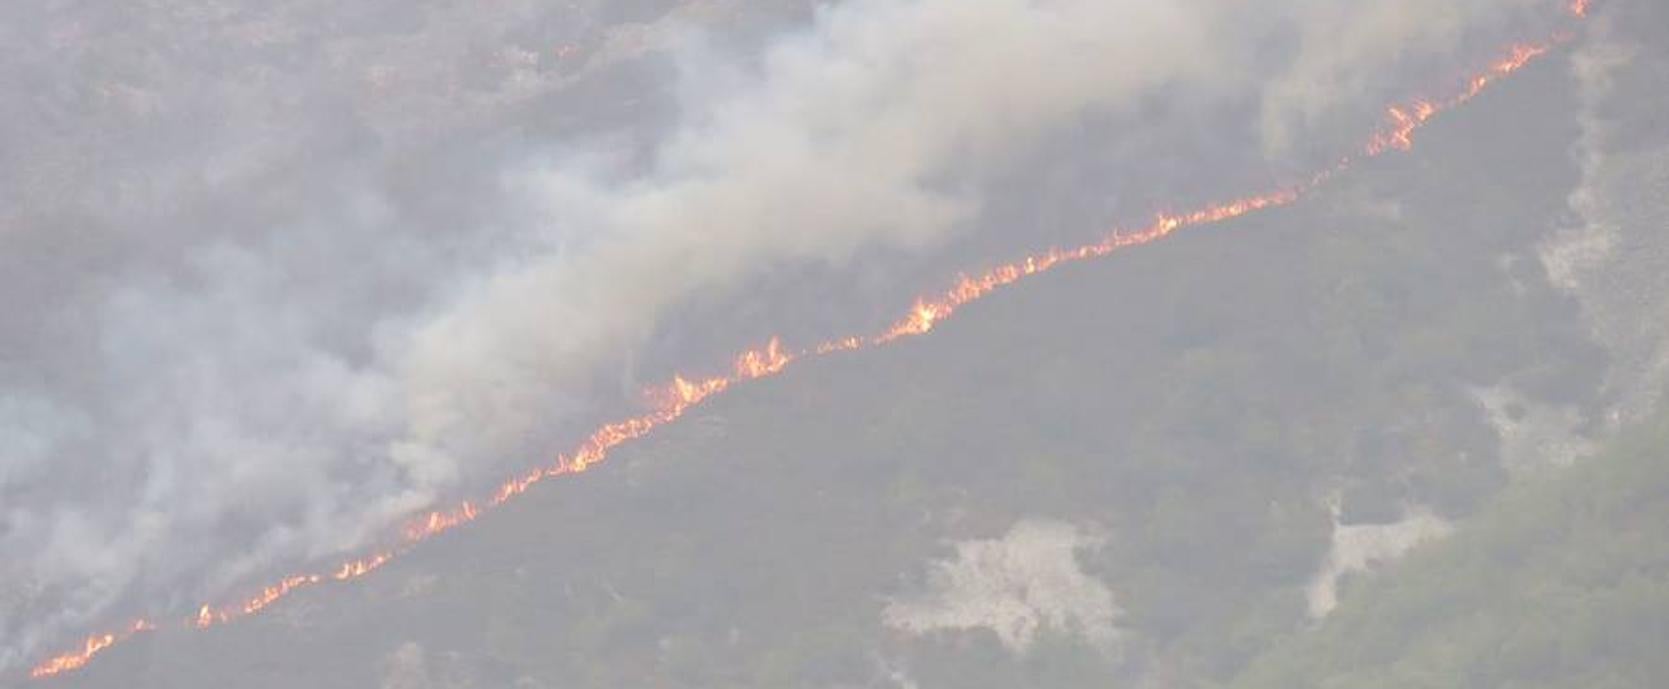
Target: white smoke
[841,140]
[276,281]
[1336,40]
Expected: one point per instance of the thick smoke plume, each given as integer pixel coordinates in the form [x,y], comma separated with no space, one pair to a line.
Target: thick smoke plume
[277,275]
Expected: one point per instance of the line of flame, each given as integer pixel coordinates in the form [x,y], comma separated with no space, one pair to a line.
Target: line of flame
[671,401]
[1403,120]
[77,659]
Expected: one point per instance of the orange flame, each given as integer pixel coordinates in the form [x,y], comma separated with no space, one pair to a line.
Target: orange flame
[75,660]
[928,312]
[671,401]
[354,569]
[1403,120]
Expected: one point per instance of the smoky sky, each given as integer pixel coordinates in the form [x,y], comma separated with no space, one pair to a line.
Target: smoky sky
[276,275]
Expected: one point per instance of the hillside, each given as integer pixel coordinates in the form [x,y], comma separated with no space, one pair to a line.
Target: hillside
[1562,582]
[1121,473]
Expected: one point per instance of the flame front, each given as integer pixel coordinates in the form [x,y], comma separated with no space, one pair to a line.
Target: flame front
[1403,120]
[75,660]
[669,402]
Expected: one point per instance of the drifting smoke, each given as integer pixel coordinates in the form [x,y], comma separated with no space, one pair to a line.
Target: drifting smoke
[267,299]
[1336,40]
[832,146]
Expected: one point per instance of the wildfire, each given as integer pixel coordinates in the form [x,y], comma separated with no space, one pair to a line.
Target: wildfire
[75,660]
[354,569]
[1403,120]
[208,616]
[669,402]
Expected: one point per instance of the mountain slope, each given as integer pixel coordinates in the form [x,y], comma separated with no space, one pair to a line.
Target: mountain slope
[1177,419]
[1562,583]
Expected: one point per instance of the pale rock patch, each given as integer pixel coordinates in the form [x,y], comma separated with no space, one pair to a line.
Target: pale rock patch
[1533,435]
[1614,258]
[406,668]
[1015,586]
[1364,547]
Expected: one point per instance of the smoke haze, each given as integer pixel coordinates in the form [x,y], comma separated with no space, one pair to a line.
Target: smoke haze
[277,275]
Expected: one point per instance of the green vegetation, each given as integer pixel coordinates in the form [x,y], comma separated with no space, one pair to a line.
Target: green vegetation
[1198,423]
[1563,583]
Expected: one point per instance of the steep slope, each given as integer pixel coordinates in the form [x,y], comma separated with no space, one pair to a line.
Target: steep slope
[1176,420]
[1614,253]
[1563,582]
